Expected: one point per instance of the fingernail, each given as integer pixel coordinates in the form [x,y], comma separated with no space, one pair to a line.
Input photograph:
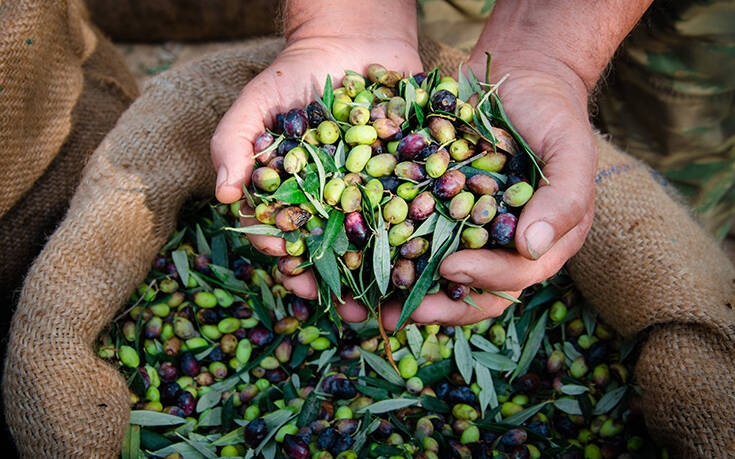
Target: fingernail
[539,238]
[221,177]
[459,277]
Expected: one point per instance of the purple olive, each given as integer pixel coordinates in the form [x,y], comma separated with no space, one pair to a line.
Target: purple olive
[315,114]
[290,265]
[241,310]
[168,372]
[300,309]
[356,229]
[503,228]
[482,184]
[189,365]
[260,336]
[449,184]
[403,274]
[186,402]
[255,432]
[457,292]
[422,206]
[410,146]
[295,123]
[294,447]
[444,100]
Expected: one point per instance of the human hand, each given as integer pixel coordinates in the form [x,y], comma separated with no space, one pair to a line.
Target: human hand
[288,82]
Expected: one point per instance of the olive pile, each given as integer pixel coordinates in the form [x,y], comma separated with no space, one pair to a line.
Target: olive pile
[394,173]
[222,361]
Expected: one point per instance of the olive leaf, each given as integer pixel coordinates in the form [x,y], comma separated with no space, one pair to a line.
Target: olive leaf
[497,362]
[202,244]
[314,202]
[339,155]
[208,400]
[483,343]
[589,317]
[511,340]
[463,355]
[309,410]
[381,255]
[319,168]
[219,250]
[154,418]
[568,405]
[131,442]
[231,438]
[382,368]
[426,227]
[384,406]
[181,262]
[410,96]
[266,295]
[442,231]
[267,230]
[271,147]
[211,417]
[573,389]
[488,396]
[533,343]
[174,241]
[571,352]
[333,227]
[328,97]
[290,192]
[328,269]
[464,87]
[522,416]
[415,340]
[608,401]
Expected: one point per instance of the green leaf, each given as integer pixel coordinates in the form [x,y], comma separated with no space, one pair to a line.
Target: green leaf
[272,146]
[419,114]
[361,436]
[589,317]
[382,368]
[435,372]
[410,96]
[319,168]
[544,295]
[463,355]
[434,404]
[333,227]
[152,440]
[512,342]
[375,393]
[426,227]
[465,89]
[573,389]
[309,410]
[421,286]
[571,352]
[340,243]
[131,442]
[339,155]
[381,256]
[609,401]
[314,202]
[385,406]
[533,344]
[208,400]
[289,192]
[325,357]
[497,362]
[261,313]
[211,417]
[522,416]
[568,405]
[174,241]
[267,230]
[181,262]
[219,250]
[183,448]
[474,82]
[154,418]
[232,438]
[442,232]
[266,295]
[488,396]
[483,344]
[202,245]
[328,269]
[328,97]
[415,340]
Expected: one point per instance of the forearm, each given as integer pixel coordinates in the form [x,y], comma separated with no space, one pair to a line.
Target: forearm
[363,19]
[580,34]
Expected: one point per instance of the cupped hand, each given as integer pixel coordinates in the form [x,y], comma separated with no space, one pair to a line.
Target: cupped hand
[288,83]
[547,104]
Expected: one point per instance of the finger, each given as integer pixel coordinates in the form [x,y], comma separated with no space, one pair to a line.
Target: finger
[270,245]
[440,309]
[351,310]
[501,269]
[303,285]
[231,146]
[559,205]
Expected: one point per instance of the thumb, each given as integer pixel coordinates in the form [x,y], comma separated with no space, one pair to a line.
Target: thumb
[559,205]
[231,146]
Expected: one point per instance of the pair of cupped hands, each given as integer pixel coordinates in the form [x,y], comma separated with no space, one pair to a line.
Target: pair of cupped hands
[544,100]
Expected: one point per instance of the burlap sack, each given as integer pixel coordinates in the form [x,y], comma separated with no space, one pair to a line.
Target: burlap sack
[62,87]
[184,20]
[61,399]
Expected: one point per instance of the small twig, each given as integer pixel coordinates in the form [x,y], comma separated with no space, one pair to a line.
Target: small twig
[124,313]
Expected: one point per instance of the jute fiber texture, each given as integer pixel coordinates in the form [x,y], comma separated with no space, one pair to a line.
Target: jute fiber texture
[54,116]
[650,270]
[184,20]
[63,401]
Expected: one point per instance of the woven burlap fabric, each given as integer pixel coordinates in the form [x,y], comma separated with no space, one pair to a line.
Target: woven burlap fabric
[650,269]
[184,20]
[107,90]
[60,398]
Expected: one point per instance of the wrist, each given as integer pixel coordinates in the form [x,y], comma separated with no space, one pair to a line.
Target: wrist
[381,20]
